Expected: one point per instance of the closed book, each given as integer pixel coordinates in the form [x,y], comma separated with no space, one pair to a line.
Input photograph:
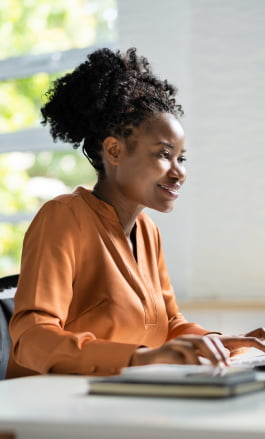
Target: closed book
[179,381]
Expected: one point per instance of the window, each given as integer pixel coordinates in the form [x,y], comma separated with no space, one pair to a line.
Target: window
[41,40]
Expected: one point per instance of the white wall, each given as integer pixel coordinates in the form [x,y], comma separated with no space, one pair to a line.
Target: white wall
[213,50]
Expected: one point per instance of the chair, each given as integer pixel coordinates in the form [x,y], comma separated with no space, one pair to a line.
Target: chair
[8,282]
[8,286]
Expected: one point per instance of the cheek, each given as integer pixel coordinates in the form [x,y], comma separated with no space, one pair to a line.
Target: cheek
[184,172]
[142,171]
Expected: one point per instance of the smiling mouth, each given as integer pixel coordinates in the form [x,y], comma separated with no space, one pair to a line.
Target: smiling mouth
[173,191]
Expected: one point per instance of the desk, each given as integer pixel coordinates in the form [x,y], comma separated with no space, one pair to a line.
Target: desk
[44,407]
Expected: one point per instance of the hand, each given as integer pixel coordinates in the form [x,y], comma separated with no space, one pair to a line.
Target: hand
[241,343]
[257,333]
[183,350]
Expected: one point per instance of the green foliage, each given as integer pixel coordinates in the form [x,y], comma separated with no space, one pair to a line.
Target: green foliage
[27,179]
[20,101]
[71,168]
[13,183]
[10,246]
[30,26]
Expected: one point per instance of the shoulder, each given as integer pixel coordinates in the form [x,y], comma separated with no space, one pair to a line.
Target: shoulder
[79,199]
[63,210]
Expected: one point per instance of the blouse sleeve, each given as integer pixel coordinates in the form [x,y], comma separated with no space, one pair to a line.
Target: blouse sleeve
[177,324]
[44,294]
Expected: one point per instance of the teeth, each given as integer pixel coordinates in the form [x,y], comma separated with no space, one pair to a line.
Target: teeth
[168,188]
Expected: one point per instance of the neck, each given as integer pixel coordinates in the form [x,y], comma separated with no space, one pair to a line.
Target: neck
[126,213]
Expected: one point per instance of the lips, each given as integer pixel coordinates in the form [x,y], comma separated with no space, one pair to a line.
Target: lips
[171,189]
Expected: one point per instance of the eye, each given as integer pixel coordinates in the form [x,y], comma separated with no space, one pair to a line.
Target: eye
[182,159]
[164,154]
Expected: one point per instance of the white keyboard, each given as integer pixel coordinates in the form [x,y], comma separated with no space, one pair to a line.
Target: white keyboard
[256,361]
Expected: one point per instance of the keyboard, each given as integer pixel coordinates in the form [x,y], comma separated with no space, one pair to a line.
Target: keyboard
[255,361]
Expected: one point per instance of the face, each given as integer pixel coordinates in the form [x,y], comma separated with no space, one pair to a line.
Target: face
[151,171]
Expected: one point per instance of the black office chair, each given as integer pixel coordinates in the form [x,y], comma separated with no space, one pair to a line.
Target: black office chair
[8,286]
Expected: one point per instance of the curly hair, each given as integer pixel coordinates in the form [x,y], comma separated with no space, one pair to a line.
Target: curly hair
[107,95]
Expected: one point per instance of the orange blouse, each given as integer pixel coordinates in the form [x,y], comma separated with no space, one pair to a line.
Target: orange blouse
[83,303]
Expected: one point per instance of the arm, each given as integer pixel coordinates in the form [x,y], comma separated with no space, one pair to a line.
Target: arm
[238,344]
[178,325]
[186,342]
[40,342]
[187,349]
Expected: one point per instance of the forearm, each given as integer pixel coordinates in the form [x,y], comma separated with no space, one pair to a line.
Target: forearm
[47,349]
[178,326]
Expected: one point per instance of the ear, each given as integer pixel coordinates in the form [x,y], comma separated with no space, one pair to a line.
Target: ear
[112,150]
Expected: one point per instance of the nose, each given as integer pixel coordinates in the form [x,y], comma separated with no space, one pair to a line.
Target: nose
[177,171]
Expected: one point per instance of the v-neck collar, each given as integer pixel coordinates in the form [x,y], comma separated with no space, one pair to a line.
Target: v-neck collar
[137,270]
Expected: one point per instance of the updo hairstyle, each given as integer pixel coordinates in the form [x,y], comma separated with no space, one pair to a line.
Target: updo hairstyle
[107,95]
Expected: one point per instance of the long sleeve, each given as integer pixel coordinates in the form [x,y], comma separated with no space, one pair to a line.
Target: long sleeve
[49,262]
[83,303]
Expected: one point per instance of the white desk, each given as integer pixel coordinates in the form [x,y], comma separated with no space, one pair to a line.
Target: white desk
[45,407]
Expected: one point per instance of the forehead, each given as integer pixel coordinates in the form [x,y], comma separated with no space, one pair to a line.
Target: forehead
[163,126]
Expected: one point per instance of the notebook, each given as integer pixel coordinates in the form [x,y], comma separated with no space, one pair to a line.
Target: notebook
[164,380]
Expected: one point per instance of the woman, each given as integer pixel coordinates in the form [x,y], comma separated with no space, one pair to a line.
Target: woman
[94,294]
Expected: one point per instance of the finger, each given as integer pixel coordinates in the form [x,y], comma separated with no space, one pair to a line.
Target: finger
[253,342]
[208,349]
[203,346]
[238,342]
[224,353]
[259,333]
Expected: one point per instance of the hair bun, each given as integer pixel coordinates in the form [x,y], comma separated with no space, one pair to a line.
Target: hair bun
[105,95]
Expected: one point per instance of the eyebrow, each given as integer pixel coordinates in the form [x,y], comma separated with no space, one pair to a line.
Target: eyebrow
[169,145]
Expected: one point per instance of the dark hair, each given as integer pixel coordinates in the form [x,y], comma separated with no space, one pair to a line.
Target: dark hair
[108,94]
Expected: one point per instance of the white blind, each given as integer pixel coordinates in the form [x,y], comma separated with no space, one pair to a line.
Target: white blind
[213,50]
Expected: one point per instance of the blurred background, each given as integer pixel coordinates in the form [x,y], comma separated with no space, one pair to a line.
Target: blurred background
[213,51]
[38,41]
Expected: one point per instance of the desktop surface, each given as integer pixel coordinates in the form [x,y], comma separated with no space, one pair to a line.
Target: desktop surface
[58,406]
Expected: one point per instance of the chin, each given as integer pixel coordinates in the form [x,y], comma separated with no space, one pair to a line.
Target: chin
[168,210]
[165,209]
